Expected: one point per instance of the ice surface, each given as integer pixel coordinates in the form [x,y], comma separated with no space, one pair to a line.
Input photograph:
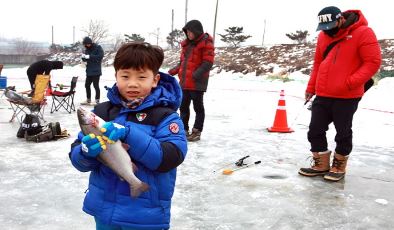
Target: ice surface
[39,189]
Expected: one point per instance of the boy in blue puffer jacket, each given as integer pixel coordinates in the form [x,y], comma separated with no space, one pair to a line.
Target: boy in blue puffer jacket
[144,102]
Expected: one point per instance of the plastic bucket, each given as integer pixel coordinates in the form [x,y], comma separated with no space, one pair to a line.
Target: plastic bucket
[3,82]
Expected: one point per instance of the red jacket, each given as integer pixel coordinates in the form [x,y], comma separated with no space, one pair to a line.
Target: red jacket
[350,64]
[196,60]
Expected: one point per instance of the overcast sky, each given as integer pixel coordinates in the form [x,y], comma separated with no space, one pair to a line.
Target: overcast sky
[32,20]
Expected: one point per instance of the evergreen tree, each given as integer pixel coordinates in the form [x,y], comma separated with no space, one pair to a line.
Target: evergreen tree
[175,38]
[299,36]
[134,38]
[234,36]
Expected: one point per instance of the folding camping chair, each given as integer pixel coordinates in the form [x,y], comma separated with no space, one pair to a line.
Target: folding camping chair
[64,99]
[36,104]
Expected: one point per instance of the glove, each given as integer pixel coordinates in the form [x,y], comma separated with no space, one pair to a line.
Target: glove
[87,56]
[308,96]
[112,132]
[93,145]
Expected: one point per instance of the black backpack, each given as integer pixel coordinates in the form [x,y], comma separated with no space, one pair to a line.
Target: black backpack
[51,131]
[30,126]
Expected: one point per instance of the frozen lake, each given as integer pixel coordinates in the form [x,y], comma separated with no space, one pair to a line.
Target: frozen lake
[39,188]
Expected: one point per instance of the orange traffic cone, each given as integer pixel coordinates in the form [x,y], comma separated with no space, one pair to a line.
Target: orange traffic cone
[280,122]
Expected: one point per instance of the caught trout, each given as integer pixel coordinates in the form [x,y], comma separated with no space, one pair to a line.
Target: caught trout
[115,156]
[16,97]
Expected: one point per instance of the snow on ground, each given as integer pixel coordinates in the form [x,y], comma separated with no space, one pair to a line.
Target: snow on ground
[39,189]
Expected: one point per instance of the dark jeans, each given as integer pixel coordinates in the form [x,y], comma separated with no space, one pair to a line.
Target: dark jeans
[198,104]
[340,112]
[95,80]
[32,79]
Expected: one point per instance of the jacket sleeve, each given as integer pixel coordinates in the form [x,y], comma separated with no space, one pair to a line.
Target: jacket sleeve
[370,53]
[98,55]
[208,57]
[175,70]
[79,160]
[162,152]
[318,58]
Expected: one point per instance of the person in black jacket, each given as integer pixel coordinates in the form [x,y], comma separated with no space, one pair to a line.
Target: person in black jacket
[41,67]
[93,57]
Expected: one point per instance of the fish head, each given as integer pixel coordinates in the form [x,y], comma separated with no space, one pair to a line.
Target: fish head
[88,121]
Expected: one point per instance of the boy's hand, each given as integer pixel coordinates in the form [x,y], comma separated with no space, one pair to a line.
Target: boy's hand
[113,132]
[93,145]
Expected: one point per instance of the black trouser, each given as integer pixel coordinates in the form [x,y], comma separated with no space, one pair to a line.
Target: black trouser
[340,112]
[95,80]
[198,104]
[32,79]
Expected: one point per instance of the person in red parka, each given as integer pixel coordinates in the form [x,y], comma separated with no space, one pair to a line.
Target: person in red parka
[196,61]
[337,79]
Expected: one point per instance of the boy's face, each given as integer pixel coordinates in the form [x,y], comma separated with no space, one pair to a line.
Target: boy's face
[133,84]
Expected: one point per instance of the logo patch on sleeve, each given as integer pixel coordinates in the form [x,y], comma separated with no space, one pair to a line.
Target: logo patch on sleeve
[174,127]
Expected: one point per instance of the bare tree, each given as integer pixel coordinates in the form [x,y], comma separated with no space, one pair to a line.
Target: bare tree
[117,42]
[23,46]
[97,31]
[156,34]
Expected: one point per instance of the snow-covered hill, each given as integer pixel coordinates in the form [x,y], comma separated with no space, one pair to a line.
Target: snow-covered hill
[278,59]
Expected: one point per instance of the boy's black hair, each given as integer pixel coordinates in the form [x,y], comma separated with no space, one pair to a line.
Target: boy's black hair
[139,55]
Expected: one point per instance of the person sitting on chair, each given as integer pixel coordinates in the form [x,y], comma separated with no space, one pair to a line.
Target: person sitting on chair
[41,67]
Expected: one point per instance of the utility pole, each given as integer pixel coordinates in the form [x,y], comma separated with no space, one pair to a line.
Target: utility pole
[186,3]
[52,36]
[214,23]
[262,43]
[157,35]
[172,20]
[73,34]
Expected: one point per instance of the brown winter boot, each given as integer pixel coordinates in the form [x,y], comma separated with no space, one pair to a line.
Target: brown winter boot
[195,135]
[338,169]
[187,133]
[321,164]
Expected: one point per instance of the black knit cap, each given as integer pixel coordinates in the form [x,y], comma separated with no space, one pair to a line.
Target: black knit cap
[87,40]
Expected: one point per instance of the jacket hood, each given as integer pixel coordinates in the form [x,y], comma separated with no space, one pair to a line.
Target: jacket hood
[194,26]
[87,40]
[167,93]
[57,65]
[354,19]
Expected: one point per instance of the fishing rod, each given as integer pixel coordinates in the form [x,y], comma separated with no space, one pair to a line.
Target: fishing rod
[230,171]
[239,163]
[299,112]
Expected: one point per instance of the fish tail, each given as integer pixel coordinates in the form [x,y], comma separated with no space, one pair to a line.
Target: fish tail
[135,191]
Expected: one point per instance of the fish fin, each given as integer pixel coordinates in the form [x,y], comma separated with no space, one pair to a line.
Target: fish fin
[137,190]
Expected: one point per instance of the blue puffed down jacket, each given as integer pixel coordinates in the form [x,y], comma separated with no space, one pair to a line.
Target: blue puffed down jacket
[153,148]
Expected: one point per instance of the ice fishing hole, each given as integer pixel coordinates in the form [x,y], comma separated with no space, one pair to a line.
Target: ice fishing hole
[274,177]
